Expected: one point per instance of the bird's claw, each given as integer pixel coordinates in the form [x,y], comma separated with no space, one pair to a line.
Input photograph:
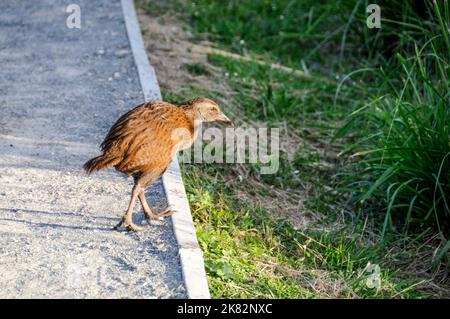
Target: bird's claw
[165,213]
[129,226]
[135,228]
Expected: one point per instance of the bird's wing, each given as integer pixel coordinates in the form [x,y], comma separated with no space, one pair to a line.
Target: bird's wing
[144,137]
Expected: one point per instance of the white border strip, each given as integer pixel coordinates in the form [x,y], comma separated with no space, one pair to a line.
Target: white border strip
[191,256]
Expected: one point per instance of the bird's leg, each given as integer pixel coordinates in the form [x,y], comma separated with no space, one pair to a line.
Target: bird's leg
[127,219]
[148,211]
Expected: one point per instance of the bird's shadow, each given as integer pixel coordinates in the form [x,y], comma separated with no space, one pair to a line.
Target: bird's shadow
[52,225]
[56,225]
[50,213]
[139,218]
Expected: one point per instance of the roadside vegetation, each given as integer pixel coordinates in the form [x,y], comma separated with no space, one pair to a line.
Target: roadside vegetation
[364,180]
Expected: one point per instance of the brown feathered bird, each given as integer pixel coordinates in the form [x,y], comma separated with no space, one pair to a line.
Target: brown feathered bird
[143,142]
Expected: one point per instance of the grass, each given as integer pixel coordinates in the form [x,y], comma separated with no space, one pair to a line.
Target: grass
[250,254]
[303,232]
[196,69]
[267,98]
[404,166]
[406,163]
[261,27]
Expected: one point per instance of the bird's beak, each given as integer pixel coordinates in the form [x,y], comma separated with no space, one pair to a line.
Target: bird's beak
[224,119]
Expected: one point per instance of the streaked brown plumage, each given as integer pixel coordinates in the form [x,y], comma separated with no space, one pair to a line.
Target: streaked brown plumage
[144,140]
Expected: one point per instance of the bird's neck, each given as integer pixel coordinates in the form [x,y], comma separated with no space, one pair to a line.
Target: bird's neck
[192,116]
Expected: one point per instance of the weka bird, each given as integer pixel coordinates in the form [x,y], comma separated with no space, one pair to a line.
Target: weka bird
[143,142]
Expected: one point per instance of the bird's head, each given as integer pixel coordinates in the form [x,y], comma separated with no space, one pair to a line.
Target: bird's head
[206,110]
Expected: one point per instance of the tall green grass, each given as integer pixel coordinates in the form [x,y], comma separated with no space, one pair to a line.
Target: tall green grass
[403,150]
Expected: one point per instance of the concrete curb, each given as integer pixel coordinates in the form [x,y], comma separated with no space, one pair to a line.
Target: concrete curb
[191,256]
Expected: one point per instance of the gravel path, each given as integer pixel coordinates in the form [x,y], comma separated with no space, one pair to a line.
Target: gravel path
[60,91]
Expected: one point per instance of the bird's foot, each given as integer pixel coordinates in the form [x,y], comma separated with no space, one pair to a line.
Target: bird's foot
[165,213]
[130,226]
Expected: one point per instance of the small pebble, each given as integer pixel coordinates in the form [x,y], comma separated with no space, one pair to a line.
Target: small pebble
[122,53]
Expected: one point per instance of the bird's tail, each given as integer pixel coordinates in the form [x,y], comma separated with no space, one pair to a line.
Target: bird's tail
[99,163]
